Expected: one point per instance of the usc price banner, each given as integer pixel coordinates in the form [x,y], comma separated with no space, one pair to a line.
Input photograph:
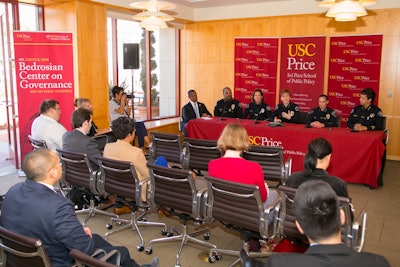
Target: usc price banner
[44,70]
[302,69]
[354,64]
[255,68]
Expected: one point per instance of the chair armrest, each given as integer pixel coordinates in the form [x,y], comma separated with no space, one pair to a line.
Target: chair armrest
[358,231]
[113,253]
[287,170]
[272,212]
[138,193]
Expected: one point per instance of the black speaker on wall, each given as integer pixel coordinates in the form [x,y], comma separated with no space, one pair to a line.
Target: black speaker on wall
[131,56]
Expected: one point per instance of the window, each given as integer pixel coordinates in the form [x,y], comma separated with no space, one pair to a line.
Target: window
[155,79]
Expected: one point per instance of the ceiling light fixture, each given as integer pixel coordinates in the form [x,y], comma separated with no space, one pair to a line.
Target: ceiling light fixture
[152,18]
[346,10]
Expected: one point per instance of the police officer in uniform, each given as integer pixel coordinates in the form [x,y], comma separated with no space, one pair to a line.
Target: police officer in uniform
[322,116]
[286,111]
[257,109]
[228,106]
[366,116]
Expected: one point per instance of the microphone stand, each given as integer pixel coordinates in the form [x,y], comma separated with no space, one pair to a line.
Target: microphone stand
[222,118]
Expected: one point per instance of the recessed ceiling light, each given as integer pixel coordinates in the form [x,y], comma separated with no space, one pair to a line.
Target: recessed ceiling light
[195,1]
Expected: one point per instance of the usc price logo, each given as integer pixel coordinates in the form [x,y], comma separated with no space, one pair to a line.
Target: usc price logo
[263,141]
[301,50]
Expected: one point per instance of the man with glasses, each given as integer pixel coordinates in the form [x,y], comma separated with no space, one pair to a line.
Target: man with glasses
[47,127]
[78,141]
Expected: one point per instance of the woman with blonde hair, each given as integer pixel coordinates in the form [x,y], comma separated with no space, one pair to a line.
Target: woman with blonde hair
[232,167]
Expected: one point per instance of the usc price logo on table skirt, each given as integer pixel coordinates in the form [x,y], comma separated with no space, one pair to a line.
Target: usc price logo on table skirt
[263,141]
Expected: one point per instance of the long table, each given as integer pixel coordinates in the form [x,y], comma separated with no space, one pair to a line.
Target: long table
[356,156]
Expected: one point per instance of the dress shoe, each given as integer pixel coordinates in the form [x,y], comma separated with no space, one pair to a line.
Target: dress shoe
[154,263]
[122,210]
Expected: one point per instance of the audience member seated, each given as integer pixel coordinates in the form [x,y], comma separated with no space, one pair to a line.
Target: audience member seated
[286,111]
[78,141]
[124,130]
[316,162]
[119,107]
[318,216]
[322,116]
[85,103]
[364,116]
[34,209]
[47,127]
[257,109]
[228,106]
[232,167]
[193,110]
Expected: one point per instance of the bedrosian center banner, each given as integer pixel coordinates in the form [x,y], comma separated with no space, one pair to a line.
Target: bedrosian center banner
[354,64]
[255,68]
[302,69]
[44,70]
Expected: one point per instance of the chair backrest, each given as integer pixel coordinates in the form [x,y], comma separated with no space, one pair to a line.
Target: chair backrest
[288,228]
[338,121]
[167,145]
[303,117]
[19,250]
[380,123]
[37,143]
[119,177]
[271,160]
[175,189]
[239,206]
[83,260]
[77,170]
[199,152]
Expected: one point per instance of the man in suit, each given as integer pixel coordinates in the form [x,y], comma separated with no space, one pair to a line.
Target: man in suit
[34,209]
[78,141]
[318,216]
[193,110]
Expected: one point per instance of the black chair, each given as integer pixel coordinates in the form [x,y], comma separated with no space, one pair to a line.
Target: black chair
[353,232]
[198,153]
[78,172]
[83,260]
[19,250]
[36,144]
[338,121]
[226,198]
[272,162]
[101,141]
[175,191]
[119,178]
[168,145]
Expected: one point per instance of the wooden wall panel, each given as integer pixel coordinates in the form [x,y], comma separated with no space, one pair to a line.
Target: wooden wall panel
[207,62]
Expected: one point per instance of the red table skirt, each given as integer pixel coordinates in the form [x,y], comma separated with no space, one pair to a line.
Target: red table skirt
[356,156]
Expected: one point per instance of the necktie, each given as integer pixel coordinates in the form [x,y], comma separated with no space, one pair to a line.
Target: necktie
[196,110]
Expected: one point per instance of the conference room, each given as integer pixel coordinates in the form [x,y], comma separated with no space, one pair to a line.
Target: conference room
[197,51]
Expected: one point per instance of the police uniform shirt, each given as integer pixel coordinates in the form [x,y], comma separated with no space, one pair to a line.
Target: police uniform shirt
[327,116]
[230,109]
[291,109]
[257,112]
[365,116]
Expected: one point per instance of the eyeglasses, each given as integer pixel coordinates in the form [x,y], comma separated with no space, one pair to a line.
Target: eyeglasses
[58,109]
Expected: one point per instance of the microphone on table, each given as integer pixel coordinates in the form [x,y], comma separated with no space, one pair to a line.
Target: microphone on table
[256,121]
[222,118]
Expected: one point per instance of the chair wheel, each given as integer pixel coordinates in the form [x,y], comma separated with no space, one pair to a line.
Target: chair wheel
[206,237]
[148,251]
[218,257]
[109,226]
[169,234]
[164,232]
[212,259]
[140,248]
[118,223]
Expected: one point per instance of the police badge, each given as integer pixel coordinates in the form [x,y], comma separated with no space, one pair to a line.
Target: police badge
[372,115]
[328,116]
[232,106]
[262,110]
[292,113]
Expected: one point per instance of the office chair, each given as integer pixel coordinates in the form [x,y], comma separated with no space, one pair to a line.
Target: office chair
[168,145]
[78,172]
[36,144]
[175,191]
[119,178]
[251,219]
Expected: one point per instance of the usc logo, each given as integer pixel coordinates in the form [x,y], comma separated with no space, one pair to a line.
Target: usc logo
[301,50]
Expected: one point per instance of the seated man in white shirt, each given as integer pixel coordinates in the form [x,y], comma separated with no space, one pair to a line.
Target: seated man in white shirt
[47,127]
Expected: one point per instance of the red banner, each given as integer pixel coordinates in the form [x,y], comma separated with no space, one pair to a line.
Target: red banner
[302,69]
[354,64]
[256,68]
[44,70]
